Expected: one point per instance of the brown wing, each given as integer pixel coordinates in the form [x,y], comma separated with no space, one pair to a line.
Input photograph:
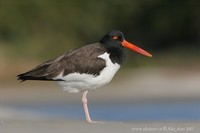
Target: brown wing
[82,60]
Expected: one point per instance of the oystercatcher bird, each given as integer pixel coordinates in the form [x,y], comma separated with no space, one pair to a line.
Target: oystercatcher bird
[85,68]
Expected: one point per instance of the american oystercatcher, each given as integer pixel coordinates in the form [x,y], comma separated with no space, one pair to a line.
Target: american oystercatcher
[85,68]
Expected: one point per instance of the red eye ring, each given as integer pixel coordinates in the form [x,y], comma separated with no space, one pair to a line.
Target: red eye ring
[115,37]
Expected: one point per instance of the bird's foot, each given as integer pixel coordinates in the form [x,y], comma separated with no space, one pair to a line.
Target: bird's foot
[95,122]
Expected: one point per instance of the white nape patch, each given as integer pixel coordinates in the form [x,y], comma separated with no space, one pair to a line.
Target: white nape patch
[76,82]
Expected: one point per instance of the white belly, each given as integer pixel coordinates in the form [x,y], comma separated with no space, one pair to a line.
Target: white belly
[76,82]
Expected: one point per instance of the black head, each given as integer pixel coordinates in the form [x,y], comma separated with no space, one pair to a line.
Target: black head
[113,39]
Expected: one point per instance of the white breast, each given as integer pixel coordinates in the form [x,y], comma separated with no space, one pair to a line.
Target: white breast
[76,82]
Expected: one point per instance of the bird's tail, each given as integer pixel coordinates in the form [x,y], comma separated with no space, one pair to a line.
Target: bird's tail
[23,77]
[38,73]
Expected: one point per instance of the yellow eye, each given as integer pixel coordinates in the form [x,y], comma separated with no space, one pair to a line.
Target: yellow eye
[115,37]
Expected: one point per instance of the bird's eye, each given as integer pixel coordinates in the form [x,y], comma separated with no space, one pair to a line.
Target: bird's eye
[115,37]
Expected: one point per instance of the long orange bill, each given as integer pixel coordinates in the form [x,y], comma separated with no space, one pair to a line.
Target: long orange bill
[135,48]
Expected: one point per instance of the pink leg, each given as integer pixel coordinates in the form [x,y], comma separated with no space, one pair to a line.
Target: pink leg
[87,114]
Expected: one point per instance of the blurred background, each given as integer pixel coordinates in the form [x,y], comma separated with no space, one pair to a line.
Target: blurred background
[165,87]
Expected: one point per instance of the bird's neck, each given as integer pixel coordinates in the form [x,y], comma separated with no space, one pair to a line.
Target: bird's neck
[117,54]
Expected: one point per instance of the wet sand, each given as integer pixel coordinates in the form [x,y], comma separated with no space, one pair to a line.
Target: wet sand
[64,126]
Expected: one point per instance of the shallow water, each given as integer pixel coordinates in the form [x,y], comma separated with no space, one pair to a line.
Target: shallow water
[161,111]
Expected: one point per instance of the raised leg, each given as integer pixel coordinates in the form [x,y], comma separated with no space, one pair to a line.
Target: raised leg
[87,114]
